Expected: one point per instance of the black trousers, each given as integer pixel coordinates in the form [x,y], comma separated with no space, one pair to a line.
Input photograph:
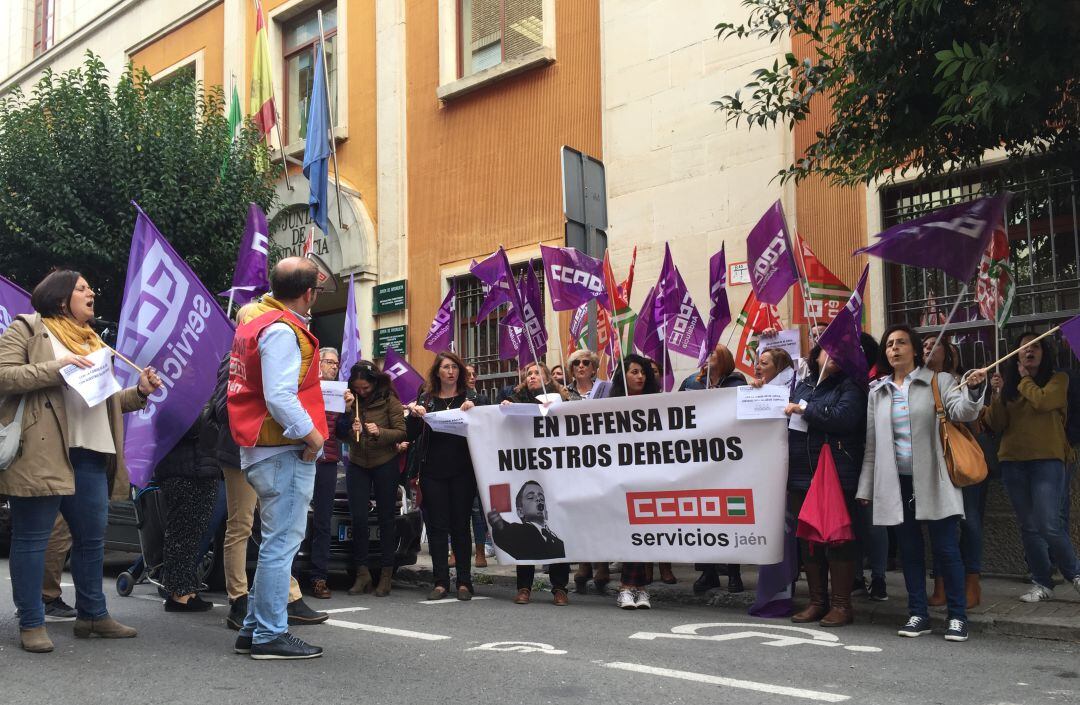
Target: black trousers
[190,503]
[322,501]
[447,513]
[361,482]
[558,572]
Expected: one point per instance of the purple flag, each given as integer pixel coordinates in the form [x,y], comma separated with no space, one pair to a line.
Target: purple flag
[350,337]
[495,271]
[1070,330]
[511,338]
[574,278]
[682,324]
[841,339]
[773,599]
[13,301]
[951,239]
[579,321]
[770,257]
[532,313]
[169,320]
[647,338]
[407,381]
[441,333]
[249,279]
[720,311]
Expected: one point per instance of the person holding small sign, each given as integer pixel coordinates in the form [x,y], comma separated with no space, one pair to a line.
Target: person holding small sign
[62,464]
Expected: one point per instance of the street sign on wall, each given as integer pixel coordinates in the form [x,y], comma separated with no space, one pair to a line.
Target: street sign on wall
[389,297]
[391,336]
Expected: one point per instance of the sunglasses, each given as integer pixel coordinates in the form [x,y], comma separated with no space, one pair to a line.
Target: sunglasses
[585,363]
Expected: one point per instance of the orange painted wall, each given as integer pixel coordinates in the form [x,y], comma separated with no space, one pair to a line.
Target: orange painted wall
[484,168]
[831,218]
[357,157]
[206,32]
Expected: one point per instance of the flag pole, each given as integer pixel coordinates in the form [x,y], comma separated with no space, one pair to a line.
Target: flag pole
[804,278]
[955,308]
[232,295]
[277,122]
[1000,360]
[330,119]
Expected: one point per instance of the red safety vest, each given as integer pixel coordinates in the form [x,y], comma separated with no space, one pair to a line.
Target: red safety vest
[249,419]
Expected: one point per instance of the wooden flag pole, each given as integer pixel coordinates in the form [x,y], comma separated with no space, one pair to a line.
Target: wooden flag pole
[133,365]
[1000,360]
[955,308]
[356,409]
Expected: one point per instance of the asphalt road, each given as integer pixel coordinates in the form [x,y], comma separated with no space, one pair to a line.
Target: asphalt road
[400,649]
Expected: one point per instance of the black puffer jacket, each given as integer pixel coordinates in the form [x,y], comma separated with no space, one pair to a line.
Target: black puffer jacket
[227,452]
[836,413]
[193,455]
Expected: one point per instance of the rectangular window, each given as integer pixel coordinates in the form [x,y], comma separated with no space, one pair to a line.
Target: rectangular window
[186,73]
[1043,226]
[478,341]
[493,31]
[300,39]
[44,25]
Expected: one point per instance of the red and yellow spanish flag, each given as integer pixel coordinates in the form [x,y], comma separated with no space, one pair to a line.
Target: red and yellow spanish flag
[263,111]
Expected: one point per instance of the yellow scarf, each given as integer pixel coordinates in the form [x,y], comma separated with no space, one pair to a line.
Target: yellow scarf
[79,339]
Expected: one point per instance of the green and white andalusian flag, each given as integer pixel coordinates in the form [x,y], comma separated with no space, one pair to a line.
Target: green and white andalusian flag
[236,119]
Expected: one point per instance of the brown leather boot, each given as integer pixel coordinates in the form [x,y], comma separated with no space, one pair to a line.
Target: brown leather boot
[841,612]
[937,599]
[481,558]
[363,581]
[383,588]
[601,576]
[972,590]
[666,575]
[816,580]
[35,640]
[106,628]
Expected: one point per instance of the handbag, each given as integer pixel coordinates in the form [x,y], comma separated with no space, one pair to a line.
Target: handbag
[11,437]
[964,457]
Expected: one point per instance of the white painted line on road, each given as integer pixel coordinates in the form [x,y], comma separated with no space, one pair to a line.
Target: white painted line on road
[730,682]
[424,636]
[448,601]
[339,610]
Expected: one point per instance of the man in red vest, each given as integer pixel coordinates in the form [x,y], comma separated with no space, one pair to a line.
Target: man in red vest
[276,416]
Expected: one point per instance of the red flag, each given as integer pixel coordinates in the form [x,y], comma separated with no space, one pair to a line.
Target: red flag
[828,295]
[754,318]
[309,242]
[628,283]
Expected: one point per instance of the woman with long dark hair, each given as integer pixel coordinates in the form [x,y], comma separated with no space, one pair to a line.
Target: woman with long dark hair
[904,473]
[372,426]
[1028,410]
[447,482]
[64,464]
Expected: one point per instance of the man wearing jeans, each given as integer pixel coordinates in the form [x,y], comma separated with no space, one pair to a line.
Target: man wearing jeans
[277,418]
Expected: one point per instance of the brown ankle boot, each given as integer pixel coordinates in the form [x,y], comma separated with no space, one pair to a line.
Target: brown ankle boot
[481,559]
[106,627]
[666,575]
[363,581]
[35,640]
[841,612]
[816,581]
[383,588]
[938,598]
[972,590]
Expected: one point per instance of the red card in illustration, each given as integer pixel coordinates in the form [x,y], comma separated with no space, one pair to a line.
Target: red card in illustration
[500,497]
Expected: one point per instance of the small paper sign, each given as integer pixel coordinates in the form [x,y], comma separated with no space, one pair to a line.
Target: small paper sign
[94,384]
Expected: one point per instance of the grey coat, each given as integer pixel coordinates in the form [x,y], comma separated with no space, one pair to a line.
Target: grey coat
[935,495]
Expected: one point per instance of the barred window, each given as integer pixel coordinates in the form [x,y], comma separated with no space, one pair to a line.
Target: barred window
[300,36]
[1042,222]
[478,341]
[493,31]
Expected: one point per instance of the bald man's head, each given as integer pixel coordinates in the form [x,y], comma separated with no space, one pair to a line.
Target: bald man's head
[292,277]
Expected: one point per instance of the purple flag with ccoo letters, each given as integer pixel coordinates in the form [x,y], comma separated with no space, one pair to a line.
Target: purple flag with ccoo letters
[407,381]
[249,278]
[841,339]
[441,333]
[770,257]
[574,278]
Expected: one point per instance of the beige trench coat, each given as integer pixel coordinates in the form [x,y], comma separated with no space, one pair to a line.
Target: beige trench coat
[29,368]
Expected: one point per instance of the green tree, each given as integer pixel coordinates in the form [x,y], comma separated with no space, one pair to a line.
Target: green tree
[75,153]
[925,84]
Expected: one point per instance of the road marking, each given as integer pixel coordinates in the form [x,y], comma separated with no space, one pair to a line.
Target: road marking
[730,682]
[339,610]
[448,601]
[783,636]
[521,647]
[387,630]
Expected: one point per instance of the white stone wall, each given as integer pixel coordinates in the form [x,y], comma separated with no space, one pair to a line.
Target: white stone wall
[677,172]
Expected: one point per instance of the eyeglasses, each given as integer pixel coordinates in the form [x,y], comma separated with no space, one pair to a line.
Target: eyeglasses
[586,363]
[333,363]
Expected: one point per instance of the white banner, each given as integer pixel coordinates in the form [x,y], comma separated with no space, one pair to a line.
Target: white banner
[662,477]
[94,384]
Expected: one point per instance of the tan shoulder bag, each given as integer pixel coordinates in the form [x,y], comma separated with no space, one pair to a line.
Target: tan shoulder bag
[963,456]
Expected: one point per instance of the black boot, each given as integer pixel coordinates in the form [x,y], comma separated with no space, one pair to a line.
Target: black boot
[734,578]
[708,579]
[237,612]
[300,613]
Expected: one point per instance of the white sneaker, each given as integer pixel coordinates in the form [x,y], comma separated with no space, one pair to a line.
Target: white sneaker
[626,600]
[1076,583]
[489,550]
[641,602]
[1037,593]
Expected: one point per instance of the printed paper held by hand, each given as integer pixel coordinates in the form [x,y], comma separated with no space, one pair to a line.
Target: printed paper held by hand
[768,402]
[96,383]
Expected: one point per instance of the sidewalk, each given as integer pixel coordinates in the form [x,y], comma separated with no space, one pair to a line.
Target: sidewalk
[1001,611]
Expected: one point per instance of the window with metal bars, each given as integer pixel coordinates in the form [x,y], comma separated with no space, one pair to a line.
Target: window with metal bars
[44,25]
[493,31]
[478,341]
[1042,222]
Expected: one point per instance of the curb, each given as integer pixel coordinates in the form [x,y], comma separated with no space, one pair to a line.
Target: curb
[892,613]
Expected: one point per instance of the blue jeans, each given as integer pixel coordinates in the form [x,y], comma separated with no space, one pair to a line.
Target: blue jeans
[32,520]
[1036,488]
[479,523]
[875,542]
[946,551]
[284,484]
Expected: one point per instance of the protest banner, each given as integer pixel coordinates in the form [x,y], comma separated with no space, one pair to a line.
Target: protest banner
[170,321]
[96,383]
[660,477]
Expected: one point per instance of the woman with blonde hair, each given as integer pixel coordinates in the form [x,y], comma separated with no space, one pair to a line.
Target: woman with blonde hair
[584,365]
